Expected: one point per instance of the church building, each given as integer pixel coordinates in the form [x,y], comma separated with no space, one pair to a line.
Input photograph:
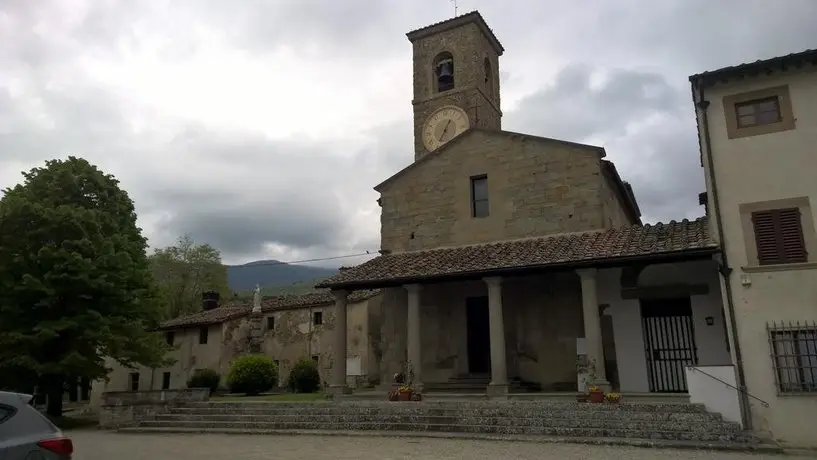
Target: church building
[516,262]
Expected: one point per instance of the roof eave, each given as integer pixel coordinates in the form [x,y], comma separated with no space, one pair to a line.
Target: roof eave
[608,262]
[779,63]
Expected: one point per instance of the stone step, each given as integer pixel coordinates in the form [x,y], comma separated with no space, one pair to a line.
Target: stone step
[524,406]
[735,437]
[632,442]
[322,420]
[408,410]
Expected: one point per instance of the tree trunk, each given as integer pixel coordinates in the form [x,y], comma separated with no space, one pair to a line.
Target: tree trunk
[54,389]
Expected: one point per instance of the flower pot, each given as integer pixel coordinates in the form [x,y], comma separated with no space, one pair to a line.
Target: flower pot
[596,396]
[393,396]
[416,397]
[404,396]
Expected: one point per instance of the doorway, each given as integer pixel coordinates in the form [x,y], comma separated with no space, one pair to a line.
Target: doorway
[669,343]
[478,335]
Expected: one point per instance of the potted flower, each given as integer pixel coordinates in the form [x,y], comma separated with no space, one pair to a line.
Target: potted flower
[404,393]
[394,395]
[596,394]
[612,398]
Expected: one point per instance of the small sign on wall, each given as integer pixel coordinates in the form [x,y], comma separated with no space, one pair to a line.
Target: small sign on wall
[353,367]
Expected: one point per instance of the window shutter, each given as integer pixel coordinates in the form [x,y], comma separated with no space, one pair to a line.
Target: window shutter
[791,232]
[779,236]
[765,237]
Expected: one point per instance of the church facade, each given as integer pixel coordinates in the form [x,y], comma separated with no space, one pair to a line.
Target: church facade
[521,261]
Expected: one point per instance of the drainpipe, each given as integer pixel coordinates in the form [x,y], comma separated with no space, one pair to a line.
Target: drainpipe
[725,270]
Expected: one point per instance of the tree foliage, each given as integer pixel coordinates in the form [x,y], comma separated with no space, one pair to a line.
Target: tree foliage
[184,271]
[75,283]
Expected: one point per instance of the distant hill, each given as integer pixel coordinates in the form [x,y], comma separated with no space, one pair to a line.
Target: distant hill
[272,273]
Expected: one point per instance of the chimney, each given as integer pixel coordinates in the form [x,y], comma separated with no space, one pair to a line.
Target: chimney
[209,300]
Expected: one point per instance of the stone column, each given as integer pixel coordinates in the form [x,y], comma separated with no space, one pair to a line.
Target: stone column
[592,325]
[414,336]
[499,367]
[338,384]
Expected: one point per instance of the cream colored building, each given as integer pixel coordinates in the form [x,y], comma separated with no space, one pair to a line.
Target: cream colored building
[758,134]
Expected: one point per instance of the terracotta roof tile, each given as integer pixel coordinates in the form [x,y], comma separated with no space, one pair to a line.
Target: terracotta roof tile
[237,309]
[775,63]
[667,239]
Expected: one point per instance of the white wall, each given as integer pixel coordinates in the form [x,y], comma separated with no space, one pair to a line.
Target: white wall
[626,315]
[716,394]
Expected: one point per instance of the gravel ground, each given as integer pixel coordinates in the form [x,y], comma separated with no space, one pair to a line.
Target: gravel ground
[102,445]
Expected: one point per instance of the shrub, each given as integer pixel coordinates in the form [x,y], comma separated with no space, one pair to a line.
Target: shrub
[205,378]
[304,377]
[252,374]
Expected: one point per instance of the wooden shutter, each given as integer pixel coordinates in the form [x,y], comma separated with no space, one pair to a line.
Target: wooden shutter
[779,236]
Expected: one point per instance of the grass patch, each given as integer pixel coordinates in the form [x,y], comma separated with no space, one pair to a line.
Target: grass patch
[280,397]
[73,423]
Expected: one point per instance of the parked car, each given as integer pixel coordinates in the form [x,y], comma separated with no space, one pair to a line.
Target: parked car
[25,433]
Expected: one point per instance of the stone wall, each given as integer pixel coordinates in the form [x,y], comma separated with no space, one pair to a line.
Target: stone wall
[542,316]
[536,187]
[119,409]
[613,209]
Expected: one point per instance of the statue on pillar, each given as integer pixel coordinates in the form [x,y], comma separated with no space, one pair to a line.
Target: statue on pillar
[256,299]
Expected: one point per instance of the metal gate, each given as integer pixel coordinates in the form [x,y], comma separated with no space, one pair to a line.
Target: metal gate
[669,343]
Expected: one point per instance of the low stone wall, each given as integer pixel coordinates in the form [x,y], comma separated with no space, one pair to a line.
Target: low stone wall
[126,408]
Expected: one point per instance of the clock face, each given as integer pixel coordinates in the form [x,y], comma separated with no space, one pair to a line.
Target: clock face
[443,125]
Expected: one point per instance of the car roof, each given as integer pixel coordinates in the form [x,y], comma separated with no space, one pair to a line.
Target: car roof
[15,400]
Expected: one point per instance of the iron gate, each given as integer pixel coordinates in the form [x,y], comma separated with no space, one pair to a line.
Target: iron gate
[669,343]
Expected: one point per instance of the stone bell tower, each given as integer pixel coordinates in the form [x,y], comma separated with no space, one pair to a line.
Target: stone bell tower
[456,80]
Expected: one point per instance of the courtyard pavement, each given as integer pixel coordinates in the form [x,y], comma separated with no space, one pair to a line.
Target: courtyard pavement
[102,445]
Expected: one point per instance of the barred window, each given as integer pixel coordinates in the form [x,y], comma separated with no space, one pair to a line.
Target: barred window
[794,355]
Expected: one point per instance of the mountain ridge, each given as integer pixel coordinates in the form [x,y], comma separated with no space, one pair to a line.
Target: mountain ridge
[271,272]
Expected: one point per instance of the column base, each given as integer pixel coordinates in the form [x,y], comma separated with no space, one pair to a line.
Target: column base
[497,390]
[339,390]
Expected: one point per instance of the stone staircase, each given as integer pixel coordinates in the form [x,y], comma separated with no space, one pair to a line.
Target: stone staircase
[646,424]
[476,383]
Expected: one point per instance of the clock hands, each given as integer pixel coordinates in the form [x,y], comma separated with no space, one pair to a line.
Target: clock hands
[445,130]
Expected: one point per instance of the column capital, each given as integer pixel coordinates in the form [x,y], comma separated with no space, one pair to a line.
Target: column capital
[413,288]
[340,294]
[493,281]
[587,273]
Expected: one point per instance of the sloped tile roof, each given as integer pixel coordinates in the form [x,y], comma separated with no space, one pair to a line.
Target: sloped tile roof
[457,21]
[775,63]
[561,250]
[237,309]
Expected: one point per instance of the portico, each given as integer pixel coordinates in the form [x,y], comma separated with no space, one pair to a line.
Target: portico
[519,326]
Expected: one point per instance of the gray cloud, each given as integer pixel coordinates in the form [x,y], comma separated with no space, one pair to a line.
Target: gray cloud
[303,195]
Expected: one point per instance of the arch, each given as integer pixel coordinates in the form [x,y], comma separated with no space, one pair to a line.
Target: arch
[444,74]
[489,77]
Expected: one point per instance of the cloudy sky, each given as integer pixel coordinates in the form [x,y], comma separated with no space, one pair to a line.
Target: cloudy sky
[261,126]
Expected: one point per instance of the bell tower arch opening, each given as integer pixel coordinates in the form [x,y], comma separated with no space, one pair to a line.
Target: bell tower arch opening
[444,71]
[455,68]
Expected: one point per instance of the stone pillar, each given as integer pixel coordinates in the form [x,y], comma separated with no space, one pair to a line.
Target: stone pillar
[414,336]
[592,325]
[338,384]
[499,367]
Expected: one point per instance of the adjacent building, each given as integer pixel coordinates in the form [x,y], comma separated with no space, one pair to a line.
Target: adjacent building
[757,125]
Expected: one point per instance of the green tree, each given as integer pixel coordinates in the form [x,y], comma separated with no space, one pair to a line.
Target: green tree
[184,271]
[75,283]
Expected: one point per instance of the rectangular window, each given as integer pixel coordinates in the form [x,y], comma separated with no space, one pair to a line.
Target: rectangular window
[134,381]
[203,335]
[779,236]
[270,323]
[758,112]
[316,358]
[317,318]
[479,196]
[794,354]
[170,337]
[166,381]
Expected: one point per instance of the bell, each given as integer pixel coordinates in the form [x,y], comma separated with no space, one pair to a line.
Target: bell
[445,73]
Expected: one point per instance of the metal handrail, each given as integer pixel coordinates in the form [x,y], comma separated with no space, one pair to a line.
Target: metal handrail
[762,402]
